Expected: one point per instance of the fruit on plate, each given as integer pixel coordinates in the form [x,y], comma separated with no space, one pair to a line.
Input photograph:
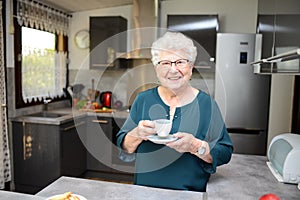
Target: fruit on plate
[65,196]
[269,196]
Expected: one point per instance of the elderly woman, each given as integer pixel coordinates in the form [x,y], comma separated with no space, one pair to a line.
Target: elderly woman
[202,141]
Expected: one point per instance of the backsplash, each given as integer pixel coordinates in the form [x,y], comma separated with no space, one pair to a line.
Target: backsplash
[125,84]
[109,80]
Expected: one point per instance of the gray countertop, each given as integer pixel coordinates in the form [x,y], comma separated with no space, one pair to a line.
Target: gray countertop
[18,196]
[246,177]
[68,115]
[95,190]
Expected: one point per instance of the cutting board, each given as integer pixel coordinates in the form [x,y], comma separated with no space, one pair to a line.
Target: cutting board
[98,110]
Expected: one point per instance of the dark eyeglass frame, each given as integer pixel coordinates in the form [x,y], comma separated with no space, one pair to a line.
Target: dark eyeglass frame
[169,63]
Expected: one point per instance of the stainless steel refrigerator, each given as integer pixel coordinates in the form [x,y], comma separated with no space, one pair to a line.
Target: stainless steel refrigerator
[243,96]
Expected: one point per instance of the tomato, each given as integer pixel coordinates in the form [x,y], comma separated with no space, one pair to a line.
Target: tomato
[96,105]
[269,196]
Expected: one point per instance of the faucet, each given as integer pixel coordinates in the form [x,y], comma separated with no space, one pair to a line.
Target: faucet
[46,102]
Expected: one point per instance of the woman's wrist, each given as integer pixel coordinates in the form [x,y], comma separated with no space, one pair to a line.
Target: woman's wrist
[131,141]
[195,145]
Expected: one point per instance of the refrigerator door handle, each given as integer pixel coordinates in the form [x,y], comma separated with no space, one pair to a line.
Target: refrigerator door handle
[245,131]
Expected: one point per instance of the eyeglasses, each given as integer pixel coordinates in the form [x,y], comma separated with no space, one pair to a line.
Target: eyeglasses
[178,63]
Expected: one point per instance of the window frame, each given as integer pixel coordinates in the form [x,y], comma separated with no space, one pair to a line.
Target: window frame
[19,102]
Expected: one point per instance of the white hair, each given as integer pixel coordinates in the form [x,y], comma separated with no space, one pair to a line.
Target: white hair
[173,41]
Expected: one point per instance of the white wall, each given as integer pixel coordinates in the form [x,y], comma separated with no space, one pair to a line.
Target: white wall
[281,104]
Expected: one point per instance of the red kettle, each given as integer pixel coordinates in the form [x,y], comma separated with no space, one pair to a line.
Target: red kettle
[106,99]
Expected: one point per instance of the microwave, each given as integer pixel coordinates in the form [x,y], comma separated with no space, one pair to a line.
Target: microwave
[284,157]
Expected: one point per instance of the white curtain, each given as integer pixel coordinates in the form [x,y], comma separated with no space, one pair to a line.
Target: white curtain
[5,174]
[41,80]
[36,15]
[60,73]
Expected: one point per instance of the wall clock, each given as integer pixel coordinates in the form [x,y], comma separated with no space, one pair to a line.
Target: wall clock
[82,39]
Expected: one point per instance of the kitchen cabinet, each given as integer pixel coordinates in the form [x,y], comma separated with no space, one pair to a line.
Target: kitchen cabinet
[280,48]
[116,161]
[105,40]
[103,155]
[201,28]
[99,150]
[43,152]
[73,154]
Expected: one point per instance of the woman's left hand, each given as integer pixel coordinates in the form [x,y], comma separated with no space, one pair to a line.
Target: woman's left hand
[184,142]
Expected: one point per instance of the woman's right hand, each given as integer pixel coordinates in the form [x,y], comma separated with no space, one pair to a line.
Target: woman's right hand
[144,129]
[137,135]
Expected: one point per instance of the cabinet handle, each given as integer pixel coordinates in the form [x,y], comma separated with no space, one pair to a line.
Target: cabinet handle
[24,141]
[27,143]
[100,121]
[74,126]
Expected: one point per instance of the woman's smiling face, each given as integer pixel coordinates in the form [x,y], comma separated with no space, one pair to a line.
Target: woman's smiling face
[174,77]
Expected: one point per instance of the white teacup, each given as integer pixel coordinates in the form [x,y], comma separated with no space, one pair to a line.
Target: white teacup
[163,127]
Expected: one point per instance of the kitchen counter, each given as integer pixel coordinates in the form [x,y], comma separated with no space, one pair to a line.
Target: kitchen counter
[114,114]
[18,196]
[68,115]
[245,177]
[95,190]
[248,177]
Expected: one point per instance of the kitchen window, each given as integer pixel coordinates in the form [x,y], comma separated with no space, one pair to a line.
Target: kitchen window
[40,42]
[40,70]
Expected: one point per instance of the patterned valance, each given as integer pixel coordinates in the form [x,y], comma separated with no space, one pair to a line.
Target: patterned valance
[34,14]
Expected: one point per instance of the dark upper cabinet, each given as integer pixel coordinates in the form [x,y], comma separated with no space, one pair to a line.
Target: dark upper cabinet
[201,28]
[281,33]
[107,37]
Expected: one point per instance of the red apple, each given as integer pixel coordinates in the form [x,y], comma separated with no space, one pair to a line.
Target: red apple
[269,197]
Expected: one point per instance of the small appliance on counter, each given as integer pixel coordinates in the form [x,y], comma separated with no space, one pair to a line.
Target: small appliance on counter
[284,157]
[106,99]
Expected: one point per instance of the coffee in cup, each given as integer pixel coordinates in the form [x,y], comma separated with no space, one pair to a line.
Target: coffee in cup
[163,127]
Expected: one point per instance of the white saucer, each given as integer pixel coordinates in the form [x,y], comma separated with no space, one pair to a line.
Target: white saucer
[76,195]
[159,140]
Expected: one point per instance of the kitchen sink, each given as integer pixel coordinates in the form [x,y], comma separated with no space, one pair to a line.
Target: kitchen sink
[48,115]
[54,117]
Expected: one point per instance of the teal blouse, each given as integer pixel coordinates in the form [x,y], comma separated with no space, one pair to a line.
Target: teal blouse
[157,165]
